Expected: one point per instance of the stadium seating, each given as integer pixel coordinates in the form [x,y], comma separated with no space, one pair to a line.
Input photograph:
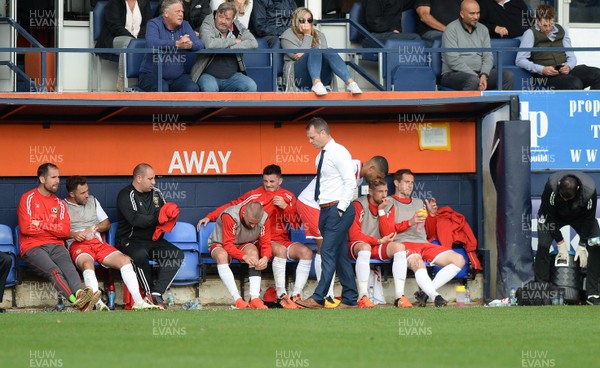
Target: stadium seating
[96,26]
[154,5]
[507,60]
[259,67]
[409,66]
[8,246]
[185,237]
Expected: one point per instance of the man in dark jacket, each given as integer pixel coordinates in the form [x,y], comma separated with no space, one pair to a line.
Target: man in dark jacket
[508,19]
[139,207]
[270,18]
[570,199]
[194,11]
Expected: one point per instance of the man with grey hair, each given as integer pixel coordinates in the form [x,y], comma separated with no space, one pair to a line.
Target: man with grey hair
[224,72]
[171,38]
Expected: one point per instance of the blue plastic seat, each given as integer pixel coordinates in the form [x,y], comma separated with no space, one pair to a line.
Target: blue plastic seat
[7,245]
[259,67]
[409,66]
[184,237]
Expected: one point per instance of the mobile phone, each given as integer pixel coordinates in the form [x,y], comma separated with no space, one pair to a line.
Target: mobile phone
[557,67]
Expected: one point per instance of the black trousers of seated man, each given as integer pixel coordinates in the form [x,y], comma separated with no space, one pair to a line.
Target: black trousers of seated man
[586,228]
[582,76]
[168,259]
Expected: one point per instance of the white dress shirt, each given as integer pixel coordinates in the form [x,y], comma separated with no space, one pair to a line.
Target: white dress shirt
[337,176]
[308,194]
[133,20]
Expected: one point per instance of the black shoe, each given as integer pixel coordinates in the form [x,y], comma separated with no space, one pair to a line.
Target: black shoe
[593,300]
[421,298]
[158,301]
[439,301]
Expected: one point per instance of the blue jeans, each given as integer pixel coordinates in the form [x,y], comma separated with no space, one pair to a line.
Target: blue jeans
[334,254]
[238,82]
[184,83]
[313,66]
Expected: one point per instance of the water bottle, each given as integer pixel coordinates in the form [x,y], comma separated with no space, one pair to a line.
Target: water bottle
[561,296]
[372,293]
[460,295]
[513,296]
[192,304]
[61,305]
[111,296]
[170,299]
[467,295]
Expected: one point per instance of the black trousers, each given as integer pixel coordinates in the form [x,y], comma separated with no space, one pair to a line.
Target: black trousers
[586,228]
[167,257]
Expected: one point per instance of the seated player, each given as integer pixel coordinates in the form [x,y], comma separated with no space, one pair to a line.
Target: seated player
[374,169]
[366,242]
[280,206]
[88,220]
[43,225]
[409,218]
[236,233]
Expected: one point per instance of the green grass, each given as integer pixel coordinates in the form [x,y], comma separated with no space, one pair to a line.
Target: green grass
[381,337]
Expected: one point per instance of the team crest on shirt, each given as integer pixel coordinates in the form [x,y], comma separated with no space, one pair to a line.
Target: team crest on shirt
[54,210]
[78,251]
[155,199]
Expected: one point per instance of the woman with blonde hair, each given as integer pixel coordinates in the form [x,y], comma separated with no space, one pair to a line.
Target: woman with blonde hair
[303,70]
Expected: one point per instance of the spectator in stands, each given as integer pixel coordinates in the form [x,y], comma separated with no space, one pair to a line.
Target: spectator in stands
[194,11]
[124,20]
[308,209]
[412,218]
[5,265]
[383,19]
[143,213]
[369,239]
[280,206]
[434,16]
[270,18]
[570,199]
[304,70]
[170,36]
[464,70]
[86,245]
[334,190]
[244,9]
[505,18]
[224,72]
[558,69]
[235,235]
[43,227]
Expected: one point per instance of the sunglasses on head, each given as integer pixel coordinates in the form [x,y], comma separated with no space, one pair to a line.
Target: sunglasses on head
[302,20]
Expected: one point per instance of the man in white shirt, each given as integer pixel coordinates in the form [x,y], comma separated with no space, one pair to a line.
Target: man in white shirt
[334,191]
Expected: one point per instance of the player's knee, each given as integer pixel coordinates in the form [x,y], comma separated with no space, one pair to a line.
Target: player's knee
[305,252]
[360,247]
[458,260]
[415,263]
[396,247]
[220,256]
[86,263]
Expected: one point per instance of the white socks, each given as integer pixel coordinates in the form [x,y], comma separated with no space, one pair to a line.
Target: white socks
[444,275]
[425,283]
[130,279]
[227,277]
[302,272]
[362,272]
[279,275]
[90,280]
[399,272]
[254,282]
[318,273]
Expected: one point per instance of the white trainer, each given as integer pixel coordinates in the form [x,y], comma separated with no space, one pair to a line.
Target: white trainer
[319,89]
[353,88]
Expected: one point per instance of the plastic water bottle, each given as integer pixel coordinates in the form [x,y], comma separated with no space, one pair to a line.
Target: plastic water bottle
[111,296]
[561,296]
[513,296]
[460,295]
[467,295]
[61,305]
[192,304]
[372,293]
[170,299]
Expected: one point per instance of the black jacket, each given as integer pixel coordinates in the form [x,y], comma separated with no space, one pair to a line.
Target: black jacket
[115,14]
[271,17]
[199,9]
[138,214]
[515,16]
[384,15]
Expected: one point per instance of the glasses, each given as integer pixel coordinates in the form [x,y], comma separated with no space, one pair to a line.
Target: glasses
[302,20]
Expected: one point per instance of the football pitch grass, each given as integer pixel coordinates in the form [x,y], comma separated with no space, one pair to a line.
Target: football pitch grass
[551,336]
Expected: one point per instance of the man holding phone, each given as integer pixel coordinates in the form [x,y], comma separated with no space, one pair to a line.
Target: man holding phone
[557,69]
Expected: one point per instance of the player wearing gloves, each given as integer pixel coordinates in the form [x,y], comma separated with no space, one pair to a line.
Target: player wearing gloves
[570,198]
